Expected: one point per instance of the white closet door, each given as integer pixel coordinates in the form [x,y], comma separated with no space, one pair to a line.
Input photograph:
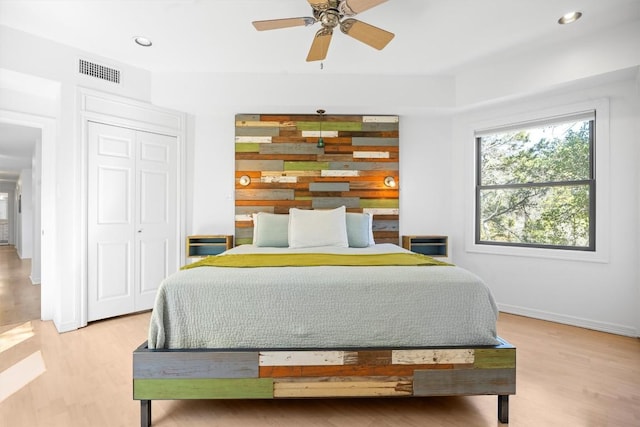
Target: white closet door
[111,213]
[131,218]
[156,222]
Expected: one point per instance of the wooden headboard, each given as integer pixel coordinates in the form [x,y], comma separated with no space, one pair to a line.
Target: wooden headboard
[279,154]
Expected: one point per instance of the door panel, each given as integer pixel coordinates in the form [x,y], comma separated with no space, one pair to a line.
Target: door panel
[154,267]
[114,196]
[153,148]
[113,265]
[115,146]
[154,193]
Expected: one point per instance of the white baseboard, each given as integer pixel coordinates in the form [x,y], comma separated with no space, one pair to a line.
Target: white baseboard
[611,328]
[65,327]
[34,280]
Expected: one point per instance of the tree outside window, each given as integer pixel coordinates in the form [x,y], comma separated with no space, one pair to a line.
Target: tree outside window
[535,185]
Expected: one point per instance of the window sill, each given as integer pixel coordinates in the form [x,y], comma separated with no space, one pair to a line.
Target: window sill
[558,254]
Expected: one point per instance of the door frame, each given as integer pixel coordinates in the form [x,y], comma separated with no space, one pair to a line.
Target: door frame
[47,232]
[114,110]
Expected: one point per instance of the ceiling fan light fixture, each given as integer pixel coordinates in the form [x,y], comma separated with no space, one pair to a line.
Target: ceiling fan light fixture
[142,41]
[570,17]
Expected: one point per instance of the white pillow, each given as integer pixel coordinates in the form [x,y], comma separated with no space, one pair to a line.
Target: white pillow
[271,230]
[312,228]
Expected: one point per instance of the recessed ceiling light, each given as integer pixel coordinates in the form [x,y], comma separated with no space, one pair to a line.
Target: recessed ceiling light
[570,17]
[142,41]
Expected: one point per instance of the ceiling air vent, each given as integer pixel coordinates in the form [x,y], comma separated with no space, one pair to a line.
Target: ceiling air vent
[99,71]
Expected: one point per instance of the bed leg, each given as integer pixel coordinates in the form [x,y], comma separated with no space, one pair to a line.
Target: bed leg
[503,409]
[145,413]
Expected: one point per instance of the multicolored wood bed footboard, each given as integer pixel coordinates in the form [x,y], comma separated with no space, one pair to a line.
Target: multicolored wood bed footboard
[323,373]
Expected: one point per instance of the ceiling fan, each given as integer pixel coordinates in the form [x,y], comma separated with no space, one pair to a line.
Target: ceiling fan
[330,14]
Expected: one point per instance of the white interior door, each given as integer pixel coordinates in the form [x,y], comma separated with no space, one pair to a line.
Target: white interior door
[111,213]
[156,221]
[131,218]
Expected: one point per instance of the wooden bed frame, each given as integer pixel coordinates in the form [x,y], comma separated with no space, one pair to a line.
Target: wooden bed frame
[323,373]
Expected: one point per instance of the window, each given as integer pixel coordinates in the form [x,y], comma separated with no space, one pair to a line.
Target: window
[535,184]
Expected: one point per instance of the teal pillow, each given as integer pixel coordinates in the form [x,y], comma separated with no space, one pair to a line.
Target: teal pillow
[358,229]
[271,230]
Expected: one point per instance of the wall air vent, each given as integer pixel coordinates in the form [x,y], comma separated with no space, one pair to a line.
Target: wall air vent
[99,71]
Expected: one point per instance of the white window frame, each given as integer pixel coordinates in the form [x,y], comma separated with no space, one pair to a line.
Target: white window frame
[602,178]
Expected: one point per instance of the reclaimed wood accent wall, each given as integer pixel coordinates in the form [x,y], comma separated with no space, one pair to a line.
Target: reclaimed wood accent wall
[280,155]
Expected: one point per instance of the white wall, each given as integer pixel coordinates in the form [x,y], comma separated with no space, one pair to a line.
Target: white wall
[425,174]
[36,181]
[24,236]
[213,100]
[32,59]
[600,293]
[549,64]
[637,181]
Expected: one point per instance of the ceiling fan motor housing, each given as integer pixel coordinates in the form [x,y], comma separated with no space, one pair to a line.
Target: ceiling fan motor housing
[331,12]
[330,18]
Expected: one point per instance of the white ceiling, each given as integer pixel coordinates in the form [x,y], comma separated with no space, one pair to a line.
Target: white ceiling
[17,145]
[433,37]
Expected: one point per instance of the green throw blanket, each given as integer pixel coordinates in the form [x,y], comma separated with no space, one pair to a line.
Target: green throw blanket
[314,260]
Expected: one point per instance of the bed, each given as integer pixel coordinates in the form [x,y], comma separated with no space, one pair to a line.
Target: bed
[320,316]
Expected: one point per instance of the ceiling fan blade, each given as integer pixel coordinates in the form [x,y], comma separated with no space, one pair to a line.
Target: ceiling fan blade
[320,45]
[366,33]
[358,6]
[320,4]
[274,24]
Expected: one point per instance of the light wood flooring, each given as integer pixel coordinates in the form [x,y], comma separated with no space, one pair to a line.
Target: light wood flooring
[19,298]
[567,376]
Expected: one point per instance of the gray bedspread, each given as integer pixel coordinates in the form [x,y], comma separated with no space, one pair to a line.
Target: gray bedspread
[320,307]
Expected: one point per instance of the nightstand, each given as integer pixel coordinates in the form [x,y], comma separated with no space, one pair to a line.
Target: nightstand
[205,245]
[434,246]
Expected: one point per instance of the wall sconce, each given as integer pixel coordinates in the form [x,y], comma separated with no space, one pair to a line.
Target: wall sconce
[389,181]
[320,140]
[245,180]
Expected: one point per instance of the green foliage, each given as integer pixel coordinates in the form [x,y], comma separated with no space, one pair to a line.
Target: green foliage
[534,186]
